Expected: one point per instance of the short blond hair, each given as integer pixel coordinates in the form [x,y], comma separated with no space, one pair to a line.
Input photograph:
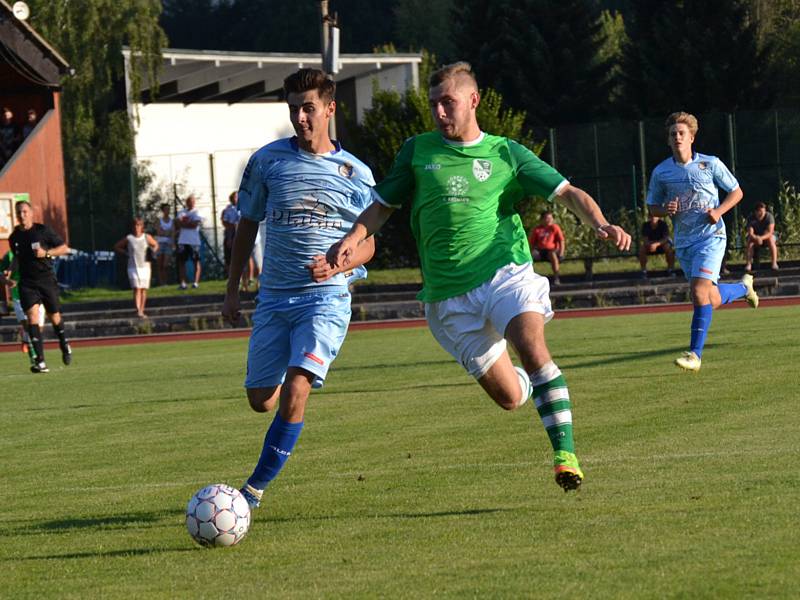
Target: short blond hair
[687,119]
[460,70]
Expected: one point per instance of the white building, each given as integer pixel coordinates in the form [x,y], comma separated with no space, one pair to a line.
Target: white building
[213,109]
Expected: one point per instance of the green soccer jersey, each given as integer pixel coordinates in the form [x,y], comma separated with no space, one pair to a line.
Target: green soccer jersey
[462,206]
[5,264]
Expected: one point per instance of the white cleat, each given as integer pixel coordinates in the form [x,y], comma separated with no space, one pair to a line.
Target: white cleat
[750,296]
[688,362]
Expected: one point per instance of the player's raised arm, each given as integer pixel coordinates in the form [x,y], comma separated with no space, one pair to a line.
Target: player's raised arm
[583,205]
[343,253]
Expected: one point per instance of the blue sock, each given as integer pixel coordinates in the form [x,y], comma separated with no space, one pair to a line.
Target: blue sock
[278,445]
[701,321]
[731,291]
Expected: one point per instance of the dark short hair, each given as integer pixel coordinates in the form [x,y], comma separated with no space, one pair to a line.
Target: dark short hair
[305,80]
[164,205]
[546,212]
[18,202]
[760,205]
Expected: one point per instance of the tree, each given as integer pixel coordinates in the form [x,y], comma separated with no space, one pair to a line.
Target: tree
[674,60]
[779,33]
[543,56]
[394,118]
[97,134]
[423,24]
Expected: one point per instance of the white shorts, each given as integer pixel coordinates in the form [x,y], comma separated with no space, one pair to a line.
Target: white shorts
[139,277]
[471,327]
[21,316]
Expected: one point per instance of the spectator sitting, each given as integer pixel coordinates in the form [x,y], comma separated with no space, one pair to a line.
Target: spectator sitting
[31,121]
[9,136]
[761,233]
[547,243]
[655,240]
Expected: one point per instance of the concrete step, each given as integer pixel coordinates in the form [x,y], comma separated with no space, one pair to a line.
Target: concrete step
[118,318]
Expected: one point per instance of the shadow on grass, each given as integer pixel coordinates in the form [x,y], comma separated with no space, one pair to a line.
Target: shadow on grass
[620,358]
[139,519]
[399,388]
[105,554]
[403,515]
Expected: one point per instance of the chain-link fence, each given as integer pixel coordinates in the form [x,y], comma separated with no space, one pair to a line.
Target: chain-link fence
[613,160]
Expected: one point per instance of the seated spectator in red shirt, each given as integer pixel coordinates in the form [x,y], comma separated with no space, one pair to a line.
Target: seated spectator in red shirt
[655,240]
[547,243]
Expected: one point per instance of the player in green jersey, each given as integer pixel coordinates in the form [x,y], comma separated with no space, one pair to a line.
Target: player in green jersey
[480,289]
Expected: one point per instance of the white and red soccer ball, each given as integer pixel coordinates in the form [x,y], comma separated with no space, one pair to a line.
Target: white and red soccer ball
[217,515]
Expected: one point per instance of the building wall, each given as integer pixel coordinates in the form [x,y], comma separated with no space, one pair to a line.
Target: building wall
[181,142]
[38,169]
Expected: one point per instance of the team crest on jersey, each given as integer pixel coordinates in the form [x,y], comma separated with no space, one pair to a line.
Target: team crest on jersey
[702,166]
[347,170]
[457,185]
[481,169]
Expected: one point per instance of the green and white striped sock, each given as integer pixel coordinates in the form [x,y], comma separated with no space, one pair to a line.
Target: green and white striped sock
[551,396]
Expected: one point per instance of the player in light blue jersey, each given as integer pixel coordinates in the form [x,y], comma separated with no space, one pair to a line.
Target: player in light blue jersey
[310,192]
[686,187]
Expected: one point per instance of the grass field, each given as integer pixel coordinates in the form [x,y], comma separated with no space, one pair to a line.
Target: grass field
[407,482]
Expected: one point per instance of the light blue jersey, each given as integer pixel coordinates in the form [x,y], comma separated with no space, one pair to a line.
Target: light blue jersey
[696,186]
[309,202]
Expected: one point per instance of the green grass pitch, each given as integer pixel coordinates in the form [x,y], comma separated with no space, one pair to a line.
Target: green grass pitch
[407,482]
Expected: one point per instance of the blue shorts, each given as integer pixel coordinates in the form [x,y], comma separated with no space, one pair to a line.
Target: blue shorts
[702,259]
[298,329]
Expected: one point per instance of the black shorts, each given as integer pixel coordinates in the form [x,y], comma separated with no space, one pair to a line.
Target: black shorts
[188,252]
[660,249]
[544,254]
[39,292]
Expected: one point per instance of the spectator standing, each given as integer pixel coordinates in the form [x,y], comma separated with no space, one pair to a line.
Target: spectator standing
[31,120]
[230,219]
[10,136]
[135,246]
[761,234]
[165,236]
[189,222]
[656,240]
[547,242]
[35,246]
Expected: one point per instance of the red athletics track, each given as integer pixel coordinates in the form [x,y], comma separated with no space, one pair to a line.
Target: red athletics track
[395,324]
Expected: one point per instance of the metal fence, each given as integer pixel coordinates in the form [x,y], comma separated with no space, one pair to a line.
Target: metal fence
[613,160]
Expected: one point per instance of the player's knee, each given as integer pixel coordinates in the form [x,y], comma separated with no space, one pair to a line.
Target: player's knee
[262,399]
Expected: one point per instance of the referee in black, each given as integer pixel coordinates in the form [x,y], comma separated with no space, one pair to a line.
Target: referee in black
[35,245]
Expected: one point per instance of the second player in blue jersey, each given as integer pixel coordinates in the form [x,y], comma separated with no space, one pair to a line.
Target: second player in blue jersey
[686,187]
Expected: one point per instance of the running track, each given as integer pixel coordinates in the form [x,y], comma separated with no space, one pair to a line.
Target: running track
[394,324]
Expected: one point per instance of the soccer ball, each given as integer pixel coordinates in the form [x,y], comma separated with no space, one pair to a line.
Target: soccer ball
[217,515]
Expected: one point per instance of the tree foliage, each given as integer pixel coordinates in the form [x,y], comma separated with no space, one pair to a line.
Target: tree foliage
[543,56]
[675,60]
[97,134]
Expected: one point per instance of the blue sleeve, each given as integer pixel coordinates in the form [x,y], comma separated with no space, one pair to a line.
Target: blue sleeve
[655,191]
[723,178]
[253,190]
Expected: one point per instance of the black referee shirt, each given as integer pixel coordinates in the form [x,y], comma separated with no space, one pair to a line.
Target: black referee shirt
[22,240]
